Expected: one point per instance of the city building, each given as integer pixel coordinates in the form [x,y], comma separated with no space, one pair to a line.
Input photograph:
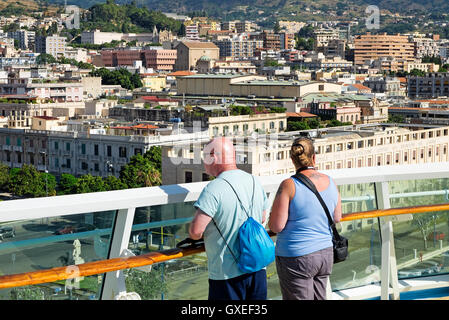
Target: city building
[189,52]
[157,59]
[372,47]
[238,47]
[24,38]
[336,148]
[432,85]
[53,45]
[249,86]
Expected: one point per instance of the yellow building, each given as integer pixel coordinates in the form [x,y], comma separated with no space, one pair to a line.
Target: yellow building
[154,82]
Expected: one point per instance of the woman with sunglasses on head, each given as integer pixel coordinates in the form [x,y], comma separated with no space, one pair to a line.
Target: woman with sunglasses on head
[304,249]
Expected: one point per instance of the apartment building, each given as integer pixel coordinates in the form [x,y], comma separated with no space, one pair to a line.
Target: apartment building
[432,85]
[192,32]
[390,86]
[426,47]
[425,67]
[238,47]
[25,38]
[56,91]
[372,47]
[245,125]
[363,146]
[78,153]
[53,45]
[158,59]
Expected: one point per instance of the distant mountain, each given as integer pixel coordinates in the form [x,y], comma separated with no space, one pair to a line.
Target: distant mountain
[274,9]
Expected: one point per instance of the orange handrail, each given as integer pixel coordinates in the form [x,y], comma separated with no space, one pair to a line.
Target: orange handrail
[115,264]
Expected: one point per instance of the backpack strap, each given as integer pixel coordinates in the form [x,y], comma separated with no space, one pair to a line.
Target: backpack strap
[241,205]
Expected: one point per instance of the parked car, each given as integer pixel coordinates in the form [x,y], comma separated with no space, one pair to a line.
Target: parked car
[81,227]
[65,230]
[7,232]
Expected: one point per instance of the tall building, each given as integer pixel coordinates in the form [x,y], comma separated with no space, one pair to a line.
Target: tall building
[25,38]
[53,45]
[373,47]
[238,47]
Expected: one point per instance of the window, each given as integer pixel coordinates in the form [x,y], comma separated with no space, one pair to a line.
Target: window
[56,145]
[109,151]
[96,167]
[67,146]
[8,141]
[68,164]
[83,148]
[188,177]
[96,149]
[205,177]
[19,142]
[122,152]
[137,151]
[84,166]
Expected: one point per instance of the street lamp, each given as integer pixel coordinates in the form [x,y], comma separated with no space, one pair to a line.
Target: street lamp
[46,176]
[46,171]
[109,167]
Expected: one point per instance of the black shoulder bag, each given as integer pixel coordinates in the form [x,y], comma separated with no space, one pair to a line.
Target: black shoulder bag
[340,243]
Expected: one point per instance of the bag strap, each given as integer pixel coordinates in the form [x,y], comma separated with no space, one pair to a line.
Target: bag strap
[252,197]
[241,204]
[309,184]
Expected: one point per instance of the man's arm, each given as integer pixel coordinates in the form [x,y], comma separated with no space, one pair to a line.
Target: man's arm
[199,224]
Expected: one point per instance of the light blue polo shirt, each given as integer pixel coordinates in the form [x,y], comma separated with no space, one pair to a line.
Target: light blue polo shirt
[219,201]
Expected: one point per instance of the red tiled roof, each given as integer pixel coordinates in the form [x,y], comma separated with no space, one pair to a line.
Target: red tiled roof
[46,117]
[181,73]
[300,114]
[145,126]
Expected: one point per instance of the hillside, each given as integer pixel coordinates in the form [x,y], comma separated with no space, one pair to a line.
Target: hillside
[272,10]
[17,7]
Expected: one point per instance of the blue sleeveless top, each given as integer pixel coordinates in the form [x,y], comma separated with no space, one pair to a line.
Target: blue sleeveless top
[307,229]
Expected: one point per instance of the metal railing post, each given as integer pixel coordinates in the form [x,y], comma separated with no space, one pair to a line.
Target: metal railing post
[389,275]
[114,282]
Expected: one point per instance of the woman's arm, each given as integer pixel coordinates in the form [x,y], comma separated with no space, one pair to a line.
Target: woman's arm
[337,212]
[279,209]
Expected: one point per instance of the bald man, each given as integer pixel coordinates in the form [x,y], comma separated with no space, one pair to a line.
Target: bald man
[218,218]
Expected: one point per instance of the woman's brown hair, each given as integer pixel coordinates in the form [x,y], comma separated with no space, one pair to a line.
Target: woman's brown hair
[302,152]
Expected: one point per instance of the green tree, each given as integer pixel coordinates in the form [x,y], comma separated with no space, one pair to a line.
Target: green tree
[154,155]
[297,125]
[28,182]
[114,183]
[140,172]
[67,184]
[89,183]
[149,285]
[4,176]
[45,58]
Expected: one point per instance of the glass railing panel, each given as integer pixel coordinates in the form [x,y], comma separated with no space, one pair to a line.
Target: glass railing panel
[364,261]
[421,240]
[40,244]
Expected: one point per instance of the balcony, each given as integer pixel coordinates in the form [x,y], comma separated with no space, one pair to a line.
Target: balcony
[394,254]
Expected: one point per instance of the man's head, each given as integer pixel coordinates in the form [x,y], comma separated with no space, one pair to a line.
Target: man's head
[219,156]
